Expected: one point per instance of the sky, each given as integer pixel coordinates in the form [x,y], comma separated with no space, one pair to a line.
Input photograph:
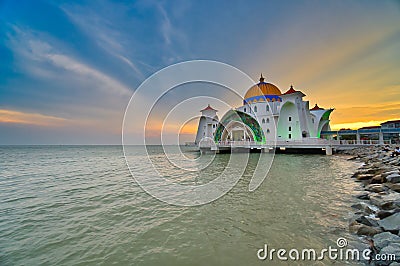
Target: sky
[69,68]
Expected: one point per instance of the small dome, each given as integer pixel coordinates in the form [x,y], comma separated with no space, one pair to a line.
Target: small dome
[262,88]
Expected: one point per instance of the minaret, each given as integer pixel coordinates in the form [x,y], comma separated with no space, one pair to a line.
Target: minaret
[207,124]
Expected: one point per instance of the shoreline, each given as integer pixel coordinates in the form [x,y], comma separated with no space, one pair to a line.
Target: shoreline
[376,217]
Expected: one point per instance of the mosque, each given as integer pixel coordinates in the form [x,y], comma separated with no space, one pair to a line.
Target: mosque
[267,115]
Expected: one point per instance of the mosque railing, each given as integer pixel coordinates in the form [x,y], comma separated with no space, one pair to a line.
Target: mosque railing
[305,142]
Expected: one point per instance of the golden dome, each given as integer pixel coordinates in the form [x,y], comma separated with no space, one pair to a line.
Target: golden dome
[261,89]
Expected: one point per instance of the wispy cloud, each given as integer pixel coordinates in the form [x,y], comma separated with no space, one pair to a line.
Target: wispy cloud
[17,117]
[98,78]
[104,33]
[41,53]
[175,40]
[166,27]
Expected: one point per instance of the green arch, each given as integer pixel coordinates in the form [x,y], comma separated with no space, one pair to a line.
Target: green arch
[234,115]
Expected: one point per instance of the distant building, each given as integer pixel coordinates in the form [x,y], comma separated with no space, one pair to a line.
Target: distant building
[391,124]
[393,137]
[266,114]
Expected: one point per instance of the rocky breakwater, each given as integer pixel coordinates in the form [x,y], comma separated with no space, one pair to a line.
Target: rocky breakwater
[377,214]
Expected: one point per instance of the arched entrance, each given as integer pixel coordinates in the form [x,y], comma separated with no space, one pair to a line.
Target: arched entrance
[239,126]
[237,131]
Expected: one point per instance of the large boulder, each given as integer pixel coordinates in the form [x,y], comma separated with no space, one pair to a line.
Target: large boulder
[391,223]
[383,239]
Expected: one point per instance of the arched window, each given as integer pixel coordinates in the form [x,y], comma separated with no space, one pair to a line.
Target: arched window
[245,109]
[267,120]
[268,130]
[255,108]
[267,107]
[263,121]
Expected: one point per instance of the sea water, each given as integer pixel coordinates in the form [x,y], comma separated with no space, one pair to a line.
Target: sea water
[79,205]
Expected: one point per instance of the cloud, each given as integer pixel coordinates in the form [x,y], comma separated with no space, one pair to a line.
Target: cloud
[371,115]
[166,27]
[17,117]
[41,53]
[100,79]
[103,32]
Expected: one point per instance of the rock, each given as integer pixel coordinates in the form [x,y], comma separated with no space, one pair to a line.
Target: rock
[388,205]
[363,207]
[375,188]
[391,223]
[383,214]
[364,176]
[386,202]
[363,196]
[383,239]
[394,187]
[394,264]
[366,171]
[354,226]
[385,174]
[393,248]
[393,178]
[365,230]
[377,179]
[367,221]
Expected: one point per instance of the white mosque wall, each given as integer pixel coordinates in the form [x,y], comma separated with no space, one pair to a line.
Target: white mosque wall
[265,113]
[288,123]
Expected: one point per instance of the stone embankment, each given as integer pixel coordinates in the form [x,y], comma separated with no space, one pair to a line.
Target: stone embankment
[377,214]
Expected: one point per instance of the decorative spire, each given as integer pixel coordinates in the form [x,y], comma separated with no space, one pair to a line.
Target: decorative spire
[291,86]
[262,78]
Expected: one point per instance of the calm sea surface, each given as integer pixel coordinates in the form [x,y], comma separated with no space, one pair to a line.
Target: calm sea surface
[79,205]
